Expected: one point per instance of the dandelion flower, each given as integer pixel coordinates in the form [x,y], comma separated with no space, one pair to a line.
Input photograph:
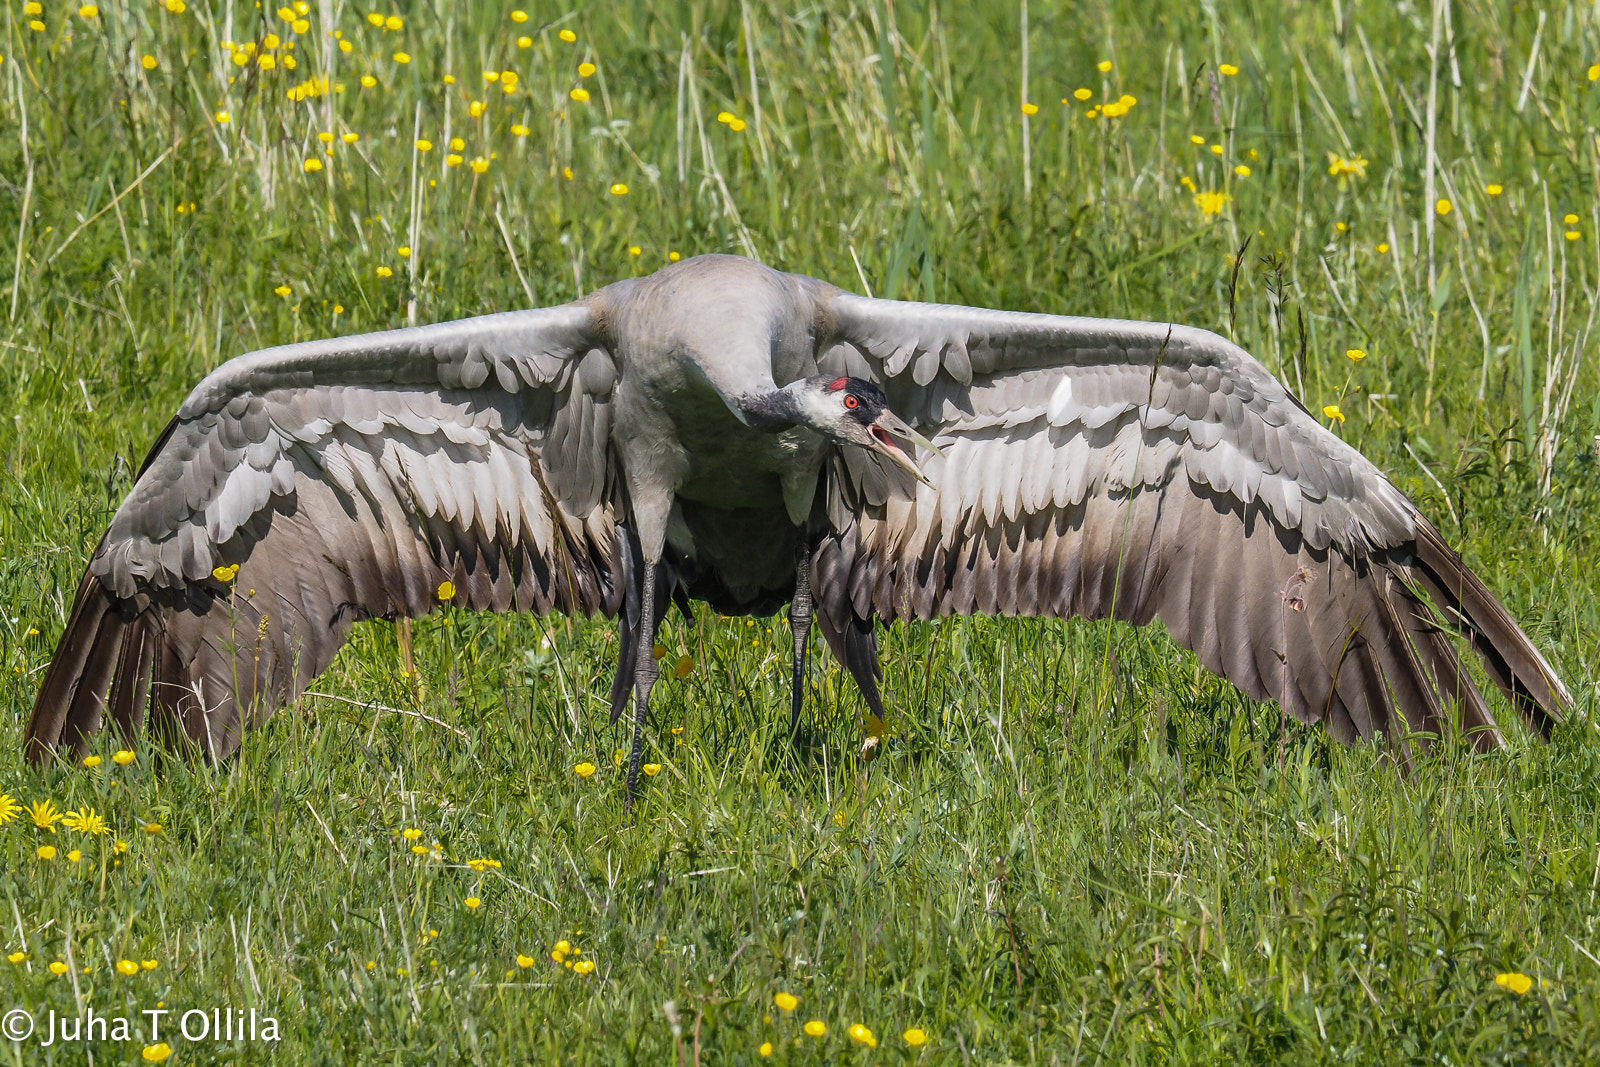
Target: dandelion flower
[424,145]
[1442,206]
[158,1052]
[619,189]
[519,16]
[9,808]
[1228,70]
[447,589]
[313,165]
[1332,413]
[127,967]
[587,69]
[91,762]
[149,62]
[473,903]
[47,852]
[786,1001]
[1516,983]
[580,95]
[1104,66]
[57,967]
[584,769]
[1355,355]
[567,36]
[44,815]
[816,1028]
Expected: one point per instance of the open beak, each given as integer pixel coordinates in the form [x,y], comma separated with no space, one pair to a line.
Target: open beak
[886,430]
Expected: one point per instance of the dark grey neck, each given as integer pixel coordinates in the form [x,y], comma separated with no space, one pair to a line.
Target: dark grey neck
[770,412]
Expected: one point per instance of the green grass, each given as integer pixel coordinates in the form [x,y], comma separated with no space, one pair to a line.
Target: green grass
[1078,847]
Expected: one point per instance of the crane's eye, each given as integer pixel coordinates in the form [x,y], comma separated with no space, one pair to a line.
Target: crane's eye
[850,401]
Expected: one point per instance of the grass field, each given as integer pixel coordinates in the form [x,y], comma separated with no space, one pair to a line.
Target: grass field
[1078,848]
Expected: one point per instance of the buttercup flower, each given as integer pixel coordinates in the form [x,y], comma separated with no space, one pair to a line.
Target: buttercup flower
[1355,355]
[127,967]
[816,1028]
[584,769]
[123,757]
[1331,411]
[1228,70]
[1516,983]
[786,1001]
[914,1037]
[862,1036]
[447,589]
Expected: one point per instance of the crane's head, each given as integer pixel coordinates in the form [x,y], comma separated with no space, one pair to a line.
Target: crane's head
[854,411]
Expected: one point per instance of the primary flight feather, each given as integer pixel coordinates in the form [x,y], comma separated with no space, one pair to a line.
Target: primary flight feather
[742,434]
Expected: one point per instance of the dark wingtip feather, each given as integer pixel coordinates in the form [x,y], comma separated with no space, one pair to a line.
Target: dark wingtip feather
[63,696]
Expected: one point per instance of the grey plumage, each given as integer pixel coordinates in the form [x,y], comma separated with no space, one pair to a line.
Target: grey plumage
[694,429]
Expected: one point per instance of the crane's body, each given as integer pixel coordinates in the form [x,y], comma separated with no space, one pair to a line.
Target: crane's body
[748,435]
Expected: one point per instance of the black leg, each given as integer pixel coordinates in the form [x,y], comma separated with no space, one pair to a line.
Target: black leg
[800,625]
[644,671]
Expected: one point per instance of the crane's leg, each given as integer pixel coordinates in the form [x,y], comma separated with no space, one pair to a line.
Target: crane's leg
[644,671]
[800,625]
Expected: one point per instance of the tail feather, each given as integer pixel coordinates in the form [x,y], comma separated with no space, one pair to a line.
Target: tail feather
[72,697]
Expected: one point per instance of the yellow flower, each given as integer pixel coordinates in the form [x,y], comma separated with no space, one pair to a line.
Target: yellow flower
[1242,171]
[479,165]
[736,125]
[265,62]
[91,762]
[158,1052]
[152,828]
[411,833]
[74,856]
[1516,983]
[270,41]
[457,144]
[89,11]
[325,137]
[1355,355]
[57,967]
[350,138]
[585,69]
[424,145]
[1081,94]
[346,46]
[1573,235]
[375,19]
[149,965]
[1104,66]
[1211,203]
[385,272]
[1332,412]
[1383,248]
[223,118]
[560,950]
[915,1037]
[1341,227]
[1216,150]
[651,769]
[476,108]
[619,189]
[119,846]
[862,1036]
[47,852]
[580,95]
[519,130]
[673,257]
[402,57]
[1340,167]
[394,22]
[447,589]
[1570,220]
[368,81]
[18,957]
[300,25]
[149,62]
[9,808]
[282,290]
[583,967]
[338,309]
[44,815]
[1228,70]
[452,160]
[313,165]
[567,36]
[519,16]
[1030,109]
[473,903]
[1594,72]
[420,850]
[127,967]
[524,42]
[87,821]
[584,769]
[524,961]
[816,1027]
[786,1001]
[765,1050]
[1442,206]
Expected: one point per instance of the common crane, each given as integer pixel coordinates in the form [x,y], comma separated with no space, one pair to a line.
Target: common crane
[742,433]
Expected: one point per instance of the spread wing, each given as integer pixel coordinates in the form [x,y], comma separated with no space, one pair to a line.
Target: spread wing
[302,488]
[1143,471]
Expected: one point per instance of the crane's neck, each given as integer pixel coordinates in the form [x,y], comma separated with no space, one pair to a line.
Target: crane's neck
[794,404]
